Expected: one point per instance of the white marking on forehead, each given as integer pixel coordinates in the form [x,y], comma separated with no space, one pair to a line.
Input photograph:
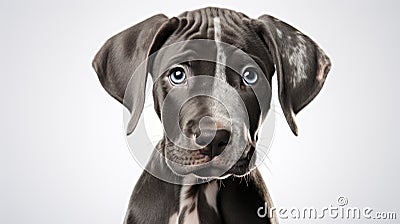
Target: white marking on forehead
[216,110]
[211,195]
[221,57]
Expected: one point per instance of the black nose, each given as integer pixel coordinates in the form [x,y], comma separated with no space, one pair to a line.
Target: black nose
[217,144]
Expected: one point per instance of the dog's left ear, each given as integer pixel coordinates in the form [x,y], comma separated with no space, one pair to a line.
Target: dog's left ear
[301,65]
[123,54]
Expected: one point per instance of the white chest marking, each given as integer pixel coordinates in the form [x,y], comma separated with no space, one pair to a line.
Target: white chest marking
[211,195]
[186,204]
[173,219]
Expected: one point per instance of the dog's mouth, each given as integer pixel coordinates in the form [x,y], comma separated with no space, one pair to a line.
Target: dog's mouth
[204,166]
[241,168]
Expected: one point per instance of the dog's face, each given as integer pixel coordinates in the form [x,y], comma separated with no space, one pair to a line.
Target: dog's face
[204,119]
[212,106]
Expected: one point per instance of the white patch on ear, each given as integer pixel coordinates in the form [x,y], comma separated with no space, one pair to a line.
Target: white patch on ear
[297,59]
[279,33]
[211,191]
[221,57]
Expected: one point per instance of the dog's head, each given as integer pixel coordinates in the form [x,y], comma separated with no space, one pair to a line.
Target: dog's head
[212,71]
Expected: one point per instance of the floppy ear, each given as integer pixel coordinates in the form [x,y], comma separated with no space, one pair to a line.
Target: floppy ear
[123,54]
[301,65]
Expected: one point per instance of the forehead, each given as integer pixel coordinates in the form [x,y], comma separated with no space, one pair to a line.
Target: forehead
[206,57]
[207,38]
[208,23]
[231,41]
[223,25]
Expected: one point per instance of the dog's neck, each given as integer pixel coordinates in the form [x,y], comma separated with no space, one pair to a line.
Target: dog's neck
[176,203]
[198,204]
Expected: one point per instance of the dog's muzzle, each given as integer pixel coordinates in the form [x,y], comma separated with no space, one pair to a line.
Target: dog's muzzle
[217,144]
[208,136]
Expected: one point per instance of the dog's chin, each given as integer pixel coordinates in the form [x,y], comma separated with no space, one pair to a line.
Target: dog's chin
[241,168]
[218,167]
[212,171]
[205,171]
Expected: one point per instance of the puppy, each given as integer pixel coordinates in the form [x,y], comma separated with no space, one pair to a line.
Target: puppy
[212,70]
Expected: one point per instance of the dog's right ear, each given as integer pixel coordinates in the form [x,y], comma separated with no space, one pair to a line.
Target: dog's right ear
[120,57]
[302,66]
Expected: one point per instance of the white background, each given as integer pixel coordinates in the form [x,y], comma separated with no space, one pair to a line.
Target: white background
[63,155]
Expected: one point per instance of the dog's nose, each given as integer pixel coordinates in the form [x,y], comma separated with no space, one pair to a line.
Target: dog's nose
[217,144]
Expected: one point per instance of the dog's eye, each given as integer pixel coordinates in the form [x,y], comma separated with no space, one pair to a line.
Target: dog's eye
[177,76]
[250,76]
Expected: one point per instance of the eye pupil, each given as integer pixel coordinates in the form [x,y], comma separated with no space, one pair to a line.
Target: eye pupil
[250,76]
[177,76]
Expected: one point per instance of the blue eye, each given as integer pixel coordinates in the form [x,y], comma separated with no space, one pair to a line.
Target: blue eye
[177,76]
[250,76]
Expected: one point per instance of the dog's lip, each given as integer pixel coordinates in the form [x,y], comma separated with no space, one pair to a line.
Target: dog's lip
[242,167]
[242,162]
[216,164]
